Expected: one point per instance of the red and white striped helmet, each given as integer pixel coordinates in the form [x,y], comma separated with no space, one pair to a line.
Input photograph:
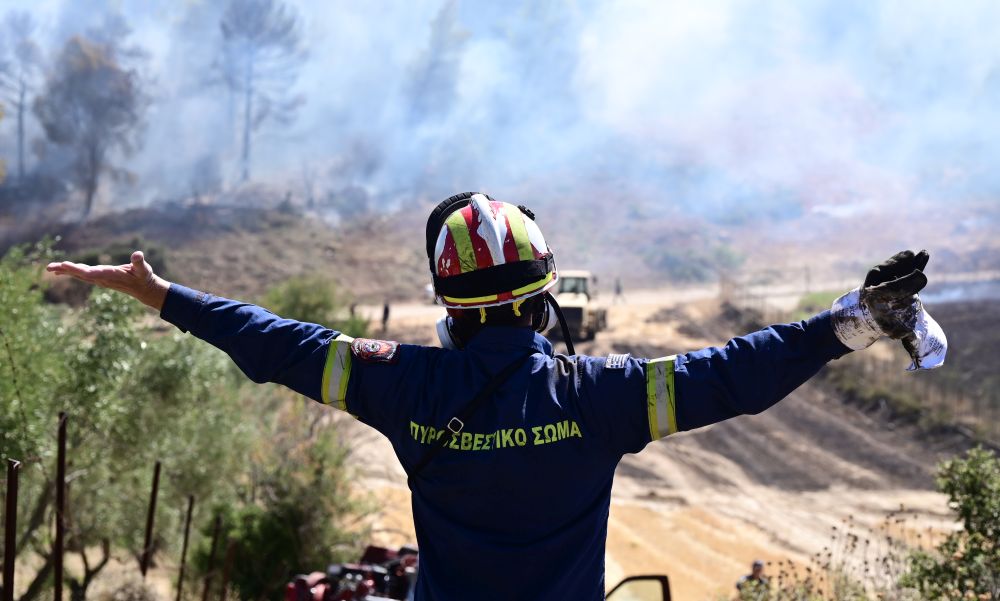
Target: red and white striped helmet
[485,253]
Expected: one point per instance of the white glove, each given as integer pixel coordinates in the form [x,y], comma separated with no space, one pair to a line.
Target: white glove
[887,305]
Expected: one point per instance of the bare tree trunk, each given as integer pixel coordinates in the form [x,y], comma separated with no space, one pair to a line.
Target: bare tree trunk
[93,172]
[20,130]
[88,202]
[36,519]
[40,582]
[247,120]
[78,588]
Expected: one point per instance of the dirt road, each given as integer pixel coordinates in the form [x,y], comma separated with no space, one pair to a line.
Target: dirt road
[701,506]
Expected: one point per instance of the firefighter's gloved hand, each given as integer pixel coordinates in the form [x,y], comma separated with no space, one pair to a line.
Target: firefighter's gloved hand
[887,305]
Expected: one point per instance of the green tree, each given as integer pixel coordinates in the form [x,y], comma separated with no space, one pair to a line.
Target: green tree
[967,564]
[300,510]
[130,402]
[277,474]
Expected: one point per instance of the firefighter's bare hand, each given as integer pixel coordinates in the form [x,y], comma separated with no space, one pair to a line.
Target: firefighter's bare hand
[135,279]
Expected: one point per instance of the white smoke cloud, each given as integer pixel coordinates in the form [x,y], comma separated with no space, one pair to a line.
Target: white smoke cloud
[714,103]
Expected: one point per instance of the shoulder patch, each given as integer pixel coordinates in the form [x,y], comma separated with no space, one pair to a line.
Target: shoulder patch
[616,361]
[375,351]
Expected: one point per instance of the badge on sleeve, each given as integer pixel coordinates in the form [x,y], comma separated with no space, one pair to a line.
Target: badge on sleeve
[374,351]
[616,361]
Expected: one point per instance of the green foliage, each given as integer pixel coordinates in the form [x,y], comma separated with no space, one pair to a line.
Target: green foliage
[809,584]
[967,564]
[129,403]
[132,397]
[299,502]
[316,300]
[28,364]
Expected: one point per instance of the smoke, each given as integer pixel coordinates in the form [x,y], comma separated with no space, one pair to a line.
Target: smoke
[729,109]
[825,101]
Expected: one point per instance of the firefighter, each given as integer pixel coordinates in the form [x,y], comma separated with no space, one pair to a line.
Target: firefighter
[510,448]
[754,582]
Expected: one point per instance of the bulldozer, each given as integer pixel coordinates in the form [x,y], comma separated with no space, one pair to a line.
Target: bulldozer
[577,296]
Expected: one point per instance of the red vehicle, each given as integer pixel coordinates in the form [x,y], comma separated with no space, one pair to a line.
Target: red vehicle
[382,575]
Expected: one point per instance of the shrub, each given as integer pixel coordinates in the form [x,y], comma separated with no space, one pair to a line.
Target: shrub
[316,300]
[299,511]
[967,564]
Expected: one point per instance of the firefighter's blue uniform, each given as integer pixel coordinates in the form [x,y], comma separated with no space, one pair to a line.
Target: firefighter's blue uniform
[517,506]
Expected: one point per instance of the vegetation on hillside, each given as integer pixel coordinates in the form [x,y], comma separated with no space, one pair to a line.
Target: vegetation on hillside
[889,565]
[134,396]
[315,299]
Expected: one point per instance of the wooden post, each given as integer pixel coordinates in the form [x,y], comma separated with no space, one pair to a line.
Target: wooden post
[58,550]
[184,547]
[10,529]
[147,546]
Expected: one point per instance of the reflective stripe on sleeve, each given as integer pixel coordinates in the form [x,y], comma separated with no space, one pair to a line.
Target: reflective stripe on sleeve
[660,404]
[337,372]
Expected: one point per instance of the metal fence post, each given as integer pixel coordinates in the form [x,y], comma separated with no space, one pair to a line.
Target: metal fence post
[184,547]
[147,546]
[59,546]
[10,528]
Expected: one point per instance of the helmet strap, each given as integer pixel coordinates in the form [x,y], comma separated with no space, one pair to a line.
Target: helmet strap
[562,322]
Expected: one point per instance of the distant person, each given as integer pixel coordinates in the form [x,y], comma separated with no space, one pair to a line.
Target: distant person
[509,448]
[619,296]
[385,317]
[754,581]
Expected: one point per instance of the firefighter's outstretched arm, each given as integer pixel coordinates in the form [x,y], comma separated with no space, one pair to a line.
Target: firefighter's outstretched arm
[266,347]
[751,373]
[747,375]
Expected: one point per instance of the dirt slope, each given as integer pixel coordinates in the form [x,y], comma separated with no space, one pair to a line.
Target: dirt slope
[242,251]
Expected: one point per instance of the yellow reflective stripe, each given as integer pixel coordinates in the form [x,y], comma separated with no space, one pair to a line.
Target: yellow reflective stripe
[661,407]
[534,286]
[485,299]
[337,372]
[463,243]
[520,235]
[475,299]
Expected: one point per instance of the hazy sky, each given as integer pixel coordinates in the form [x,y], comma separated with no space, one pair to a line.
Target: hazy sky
[713,102]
